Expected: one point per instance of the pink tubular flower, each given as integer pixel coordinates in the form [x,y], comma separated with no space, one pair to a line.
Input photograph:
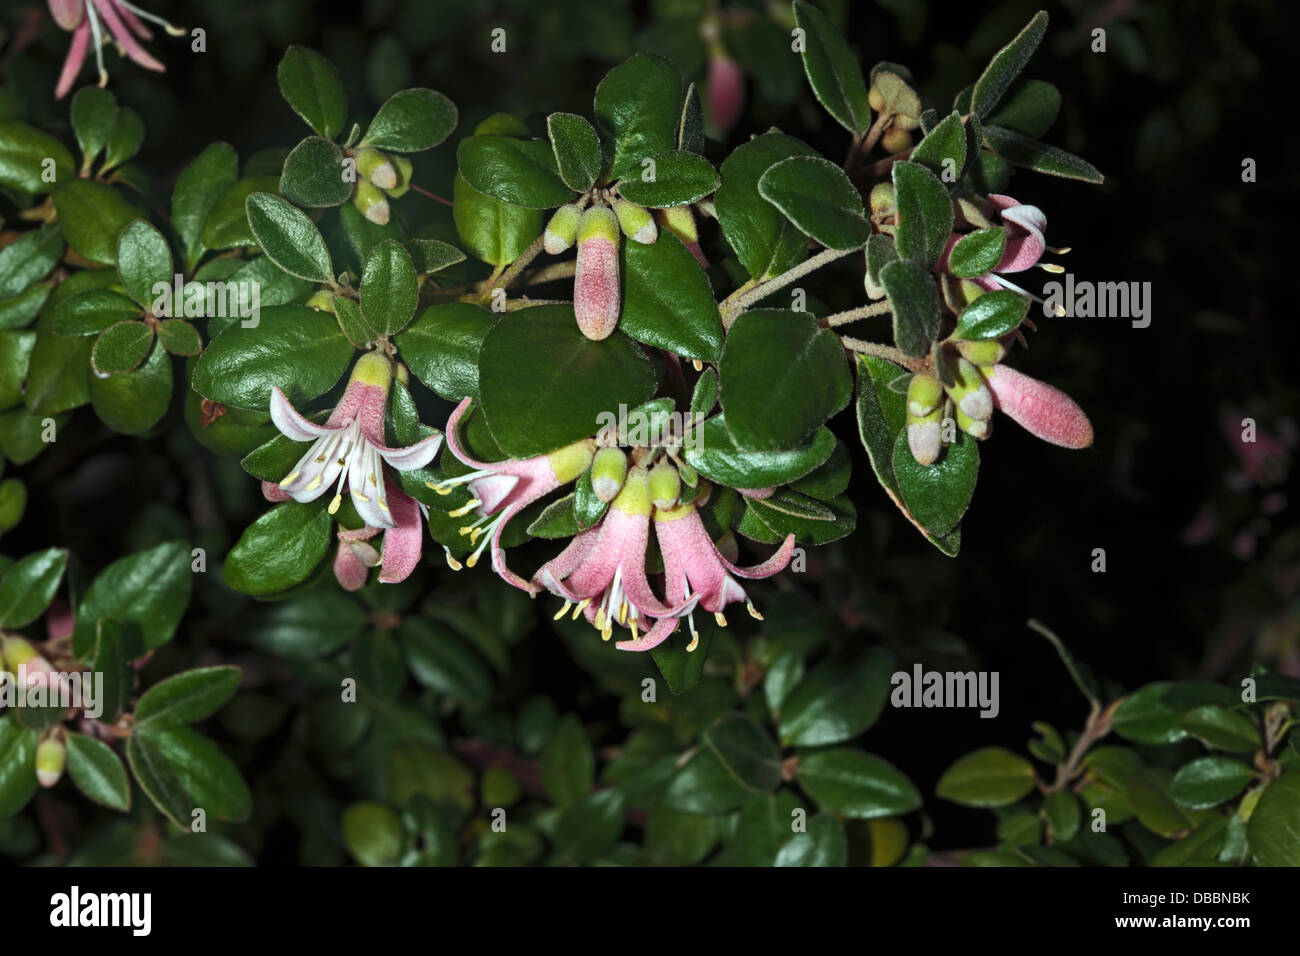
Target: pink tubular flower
[349,448]
[726,91]
[694,569]
[596,292]
[603,571]
[1042,410]
[86,20]
[504,488]
[1025,244]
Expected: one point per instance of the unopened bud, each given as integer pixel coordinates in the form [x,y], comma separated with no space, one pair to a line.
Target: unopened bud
[636,222]
[51,755]
[925,438]
[976,429]
[665,485]
[562,229]
[726,91]
[970,392]
[322,302]
[1042,410]
[371,202]
[986,352]
[924,393]
[374,165]
[608,472]
[404,169]
[882,199]
[18,651]
[596,292]
[896,140]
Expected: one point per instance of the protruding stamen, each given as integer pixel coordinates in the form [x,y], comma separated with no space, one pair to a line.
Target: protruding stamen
[1062,250]
[289,480]
[1051,267]
[753,611]
[699,366]
[582,606]
[720,618]
[464,509]
[562,611]
[334,505]
[451,559]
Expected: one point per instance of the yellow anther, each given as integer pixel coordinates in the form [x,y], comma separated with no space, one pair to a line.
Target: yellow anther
[334,505]
[288,481]
[563,611]
[371,478]
[718,616]
[313,484]
[1051,267]
[607,630]
[472,560]
[695,642]
[599,622]
[383,504]
[360,497]
[699,366]
[451,559]
[440,488]
[320,459]
[635,635]
[622,614]
[464,510]
[753,611]
[582,606]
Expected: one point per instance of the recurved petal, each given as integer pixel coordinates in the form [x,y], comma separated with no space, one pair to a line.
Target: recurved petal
[403,541]
[413,456]
[291,423]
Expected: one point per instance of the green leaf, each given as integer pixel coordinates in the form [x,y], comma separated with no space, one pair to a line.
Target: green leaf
[179,337]
[1029,108]
[567,763]
[518,171]
[279,549]
[775,352]
[577,150]
[300,350]
[93,216]
[353,322]
[943,150]
[276,286]
[311,86]
[544,385]
[1222,728]
[992,315]
[824,844]
[817,197]
[372,833]
[1208,782]
[17,759]
[787,512]
[443,662]
[186,698]
[496,232]
[290,239]
[1273,830]
[182,771]
[89,313]
[924,213]
[15,355]
[93,112]
[131,402]
[1144,717]
[746,751]
[714,454]
[18,310]
[976,253]
[315,625]
[1147,790]
[856,785]
[150,588]
[432,255]
[1063,815]
[113,643]
[988,777]
[226,225]
[679,177]
[125,141]
[27,588]
[837,701]
[441,347]
[1006,66]
[914,299]
[13,501]
[587,829]
[637,109]
[29,259]
[668,300]
[313,174]
[411,121]
[23,155]
[763,825]
[143,260]
[389,289]
[833,71]
[198,188]
[97,771]
[1031,154]
[704,785]
[766,243]
[938,495]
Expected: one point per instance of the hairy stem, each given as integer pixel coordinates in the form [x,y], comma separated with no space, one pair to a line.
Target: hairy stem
[734,304]
[852,315]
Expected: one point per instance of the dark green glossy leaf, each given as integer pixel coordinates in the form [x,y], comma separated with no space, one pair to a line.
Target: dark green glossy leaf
[517,171]
[411,121]
[311,86]
[577,150]
[313,174]
[988,777]
[833,70]
[1006,66]
[291,239]
[668,300]
[817,196]
[938,495]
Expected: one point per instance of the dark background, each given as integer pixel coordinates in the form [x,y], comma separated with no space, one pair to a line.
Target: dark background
[1168,113]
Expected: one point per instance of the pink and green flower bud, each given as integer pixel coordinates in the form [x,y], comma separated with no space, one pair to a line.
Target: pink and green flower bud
[987,352]
[1043,411]
[636,222]
[970,392]
[322,302]
[896,139]
[375,166]
[373,368]
[51,756]
[924,394]
[596,293]
[562,230]
[404,170]
[608,473]
[665,486]
[18,651]
[881,199]
[371,202]
[976,429]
